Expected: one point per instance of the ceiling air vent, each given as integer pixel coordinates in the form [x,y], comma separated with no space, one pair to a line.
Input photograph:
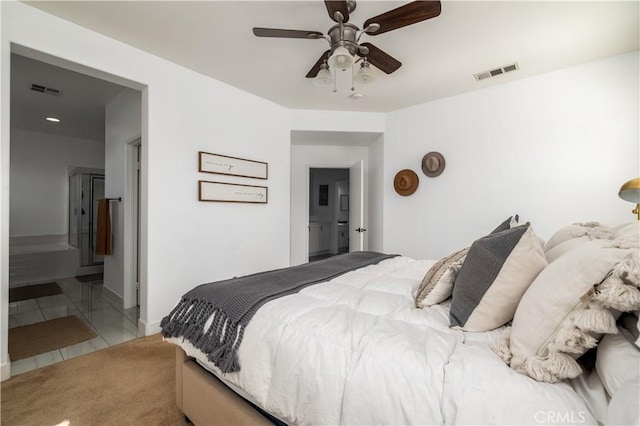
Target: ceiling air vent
[497,71]
[44,89]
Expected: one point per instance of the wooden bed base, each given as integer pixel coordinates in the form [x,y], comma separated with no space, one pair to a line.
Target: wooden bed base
[205,400]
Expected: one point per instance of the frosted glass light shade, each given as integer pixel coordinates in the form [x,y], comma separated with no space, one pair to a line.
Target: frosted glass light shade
[365,74]
[341,59]
[323,78]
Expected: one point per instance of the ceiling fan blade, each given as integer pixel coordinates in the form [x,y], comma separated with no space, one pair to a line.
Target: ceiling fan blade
[381,59]
[337,6]
[402,16]
[278,32]
[316,67]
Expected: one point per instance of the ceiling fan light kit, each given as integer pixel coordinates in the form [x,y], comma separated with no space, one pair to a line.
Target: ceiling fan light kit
[344,40]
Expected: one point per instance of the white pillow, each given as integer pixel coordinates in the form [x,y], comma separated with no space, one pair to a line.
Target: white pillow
[592,230]
[565,247]
[624,408]
[617,362]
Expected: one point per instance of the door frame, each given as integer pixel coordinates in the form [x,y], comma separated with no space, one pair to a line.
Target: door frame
[131,213]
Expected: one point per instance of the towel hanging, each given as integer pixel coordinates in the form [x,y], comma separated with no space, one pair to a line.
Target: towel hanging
[103,238]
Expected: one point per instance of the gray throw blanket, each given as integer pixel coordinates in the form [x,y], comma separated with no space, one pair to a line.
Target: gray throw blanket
[234,302]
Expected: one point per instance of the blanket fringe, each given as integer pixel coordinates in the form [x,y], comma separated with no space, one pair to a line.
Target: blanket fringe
[220,340]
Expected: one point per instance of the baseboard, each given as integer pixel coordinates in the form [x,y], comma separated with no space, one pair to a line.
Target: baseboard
[145,329]
[111,297]
[5,370]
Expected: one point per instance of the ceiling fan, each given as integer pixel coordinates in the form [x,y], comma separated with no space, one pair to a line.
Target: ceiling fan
[344,38]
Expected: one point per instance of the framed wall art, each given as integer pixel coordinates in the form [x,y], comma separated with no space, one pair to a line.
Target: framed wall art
[232,192]
[233,166]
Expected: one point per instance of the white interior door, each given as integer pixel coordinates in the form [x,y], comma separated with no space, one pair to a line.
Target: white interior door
[356,211]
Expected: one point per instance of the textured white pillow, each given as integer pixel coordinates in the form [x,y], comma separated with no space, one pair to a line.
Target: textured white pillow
[565,306]
[437,284]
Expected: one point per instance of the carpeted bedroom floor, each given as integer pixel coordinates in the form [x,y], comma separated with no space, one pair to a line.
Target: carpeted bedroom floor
[128,384]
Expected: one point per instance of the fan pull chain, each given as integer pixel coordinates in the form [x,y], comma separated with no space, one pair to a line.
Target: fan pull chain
[352,87]
[334,81]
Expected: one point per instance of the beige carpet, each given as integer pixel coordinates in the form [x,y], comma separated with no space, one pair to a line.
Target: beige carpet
[33,339]
[127,384]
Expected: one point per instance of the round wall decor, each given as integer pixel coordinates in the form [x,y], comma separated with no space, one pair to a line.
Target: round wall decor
[406,182]
[433,164]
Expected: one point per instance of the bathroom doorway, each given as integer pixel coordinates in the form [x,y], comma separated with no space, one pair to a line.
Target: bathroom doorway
[328,212]
[60,149]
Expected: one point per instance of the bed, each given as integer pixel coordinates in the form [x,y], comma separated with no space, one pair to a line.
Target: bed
[355,349]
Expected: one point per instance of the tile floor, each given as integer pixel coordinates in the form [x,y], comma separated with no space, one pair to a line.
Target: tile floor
[111,324]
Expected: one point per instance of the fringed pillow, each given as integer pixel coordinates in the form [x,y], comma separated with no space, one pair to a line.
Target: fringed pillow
[566,309]
[583,230]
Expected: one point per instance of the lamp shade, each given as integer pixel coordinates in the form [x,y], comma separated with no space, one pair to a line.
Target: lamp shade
[630,191]
[324,77]
[341,59]
[365,74]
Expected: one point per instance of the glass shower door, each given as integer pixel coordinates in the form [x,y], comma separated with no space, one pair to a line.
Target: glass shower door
[75,189]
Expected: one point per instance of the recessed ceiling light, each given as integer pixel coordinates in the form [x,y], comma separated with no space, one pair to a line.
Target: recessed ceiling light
[357,96]
[55,120]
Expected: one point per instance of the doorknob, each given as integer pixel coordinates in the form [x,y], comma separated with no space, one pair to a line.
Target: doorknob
[360,229]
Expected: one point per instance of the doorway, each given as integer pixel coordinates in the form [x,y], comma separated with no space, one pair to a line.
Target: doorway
[328,212]
[48,165]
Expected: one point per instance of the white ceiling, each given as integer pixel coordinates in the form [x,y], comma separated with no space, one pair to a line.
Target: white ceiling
[439,56]
[80,108]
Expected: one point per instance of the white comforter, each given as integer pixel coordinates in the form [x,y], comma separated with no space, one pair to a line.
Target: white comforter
[355,350]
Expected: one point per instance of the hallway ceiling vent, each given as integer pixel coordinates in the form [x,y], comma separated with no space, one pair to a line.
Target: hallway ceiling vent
[497,71]
[44,89]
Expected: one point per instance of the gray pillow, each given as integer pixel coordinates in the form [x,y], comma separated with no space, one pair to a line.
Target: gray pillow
[507,224]
[495,274]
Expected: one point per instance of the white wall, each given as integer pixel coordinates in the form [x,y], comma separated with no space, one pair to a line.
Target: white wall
[376,195]
[554,148]
[185,242]
[40,180]
[123,125]
[337,121]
